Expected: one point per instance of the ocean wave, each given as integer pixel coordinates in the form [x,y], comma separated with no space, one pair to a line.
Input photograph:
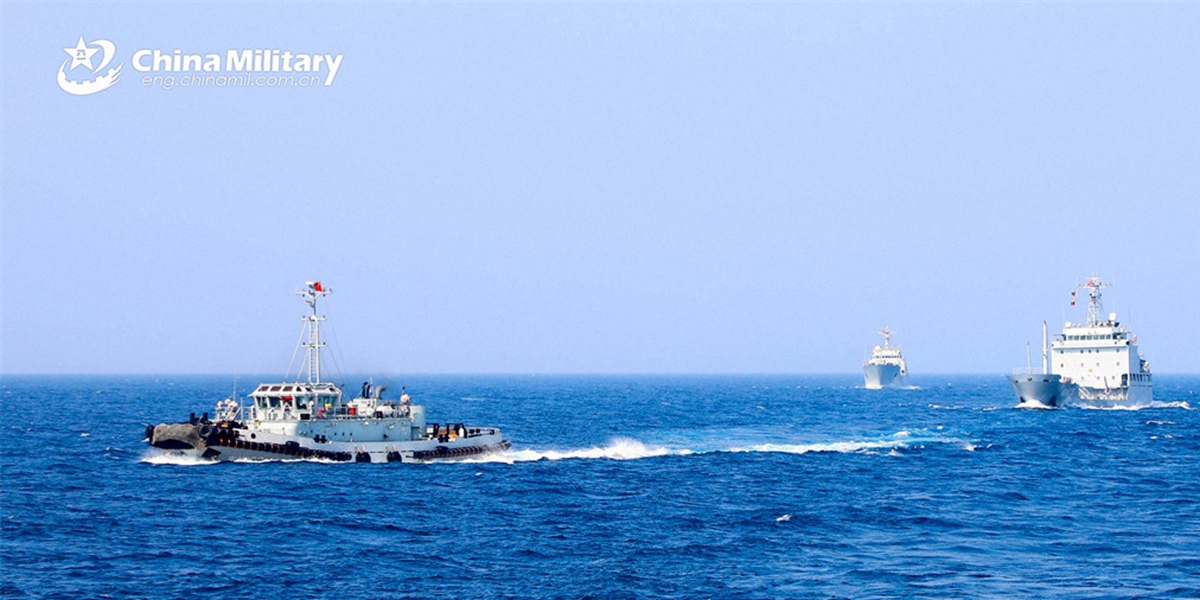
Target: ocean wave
[838,447]
[631,449]
[893,443]
[1034,405]
[1149,405]
[154,457]
[618,449]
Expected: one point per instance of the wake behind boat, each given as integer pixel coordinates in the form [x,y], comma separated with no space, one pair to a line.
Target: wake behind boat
[311,420]
[1095,363]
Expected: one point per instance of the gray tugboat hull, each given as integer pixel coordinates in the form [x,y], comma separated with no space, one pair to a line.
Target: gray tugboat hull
[1038,388]
[231,442]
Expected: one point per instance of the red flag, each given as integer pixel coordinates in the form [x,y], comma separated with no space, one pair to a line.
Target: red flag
[317,286]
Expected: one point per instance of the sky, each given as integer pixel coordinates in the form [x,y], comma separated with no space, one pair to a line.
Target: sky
[615,187]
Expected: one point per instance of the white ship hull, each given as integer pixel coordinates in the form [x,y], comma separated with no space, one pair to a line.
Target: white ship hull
[229,442]
[877,377]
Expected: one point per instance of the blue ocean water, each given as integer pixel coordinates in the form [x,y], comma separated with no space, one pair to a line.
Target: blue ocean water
[617,487]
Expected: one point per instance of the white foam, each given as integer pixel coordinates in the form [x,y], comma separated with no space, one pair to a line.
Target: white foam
[841,447]
[1151,404]
[631,449]
[1034,405]
[783,518]
[618,449]
[899,440]
[155,457]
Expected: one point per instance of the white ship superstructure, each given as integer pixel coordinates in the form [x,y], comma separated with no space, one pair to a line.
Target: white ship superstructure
[311,419]
[886,367]
[1096,362]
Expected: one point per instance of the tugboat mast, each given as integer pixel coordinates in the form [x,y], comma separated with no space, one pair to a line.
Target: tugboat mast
[311,294]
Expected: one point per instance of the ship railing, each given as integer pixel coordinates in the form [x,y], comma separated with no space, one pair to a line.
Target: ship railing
[387,410]
[459,430]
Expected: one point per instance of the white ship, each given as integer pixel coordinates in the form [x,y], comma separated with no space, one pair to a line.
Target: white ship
[886,367]
[1095,363]
[312,420]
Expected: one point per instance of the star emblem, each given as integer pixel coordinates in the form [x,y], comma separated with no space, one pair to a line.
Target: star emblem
[81,54]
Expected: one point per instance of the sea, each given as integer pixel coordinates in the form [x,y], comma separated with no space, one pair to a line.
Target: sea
[616,487]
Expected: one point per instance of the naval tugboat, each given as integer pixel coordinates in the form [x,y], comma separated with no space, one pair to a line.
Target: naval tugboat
[311,420]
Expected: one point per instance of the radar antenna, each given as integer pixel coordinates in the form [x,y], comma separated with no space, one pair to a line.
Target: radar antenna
[887,337]
[1095,307]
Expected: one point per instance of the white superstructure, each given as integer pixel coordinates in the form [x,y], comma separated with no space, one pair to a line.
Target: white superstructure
[312,419]
[886,367]
[1094,362]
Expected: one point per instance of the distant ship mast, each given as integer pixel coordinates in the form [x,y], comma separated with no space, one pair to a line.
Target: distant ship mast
[887,337]
[1095,308]
[1045,350]
[311,294]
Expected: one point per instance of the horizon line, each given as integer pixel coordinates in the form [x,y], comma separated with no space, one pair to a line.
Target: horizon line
[529,374]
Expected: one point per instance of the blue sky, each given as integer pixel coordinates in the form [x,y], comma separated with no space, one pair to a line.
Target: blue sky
[609,187]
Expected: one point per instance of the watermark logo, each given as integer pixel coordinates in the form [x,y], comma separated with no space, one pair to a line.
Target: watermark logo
[273,67]
[86,69]
[84,55]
